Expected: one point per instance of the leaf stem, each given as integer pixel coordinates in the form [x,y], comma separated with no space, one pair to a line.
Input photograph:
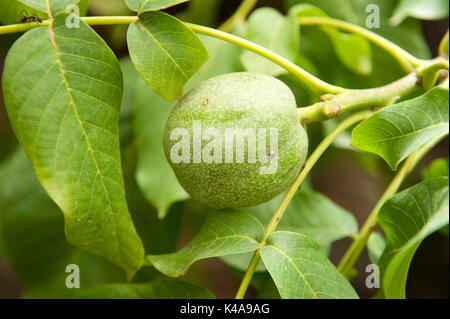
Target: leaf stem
[333,105]
[352,255]
[239,15]
[312,160]
[406,60]
[110,20]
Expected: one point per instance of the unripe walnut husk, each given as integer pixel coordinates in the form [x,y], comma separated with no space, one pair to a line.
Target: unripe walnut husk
[206,127]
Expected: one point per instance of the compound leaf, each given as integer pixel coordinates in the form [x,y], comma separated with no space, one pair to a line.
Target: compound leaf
[223,233]
[160,289]
[62,90]
[151,5]
[300,270]
[165,52]
[397,130]
[407,219]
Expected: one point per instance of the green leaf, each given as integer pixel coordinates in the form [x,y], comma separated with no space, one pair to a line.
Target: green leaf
[62,89]
[300,269]
[150,112]
[396,131]
[312,214]
[353,50]
[407,219]
[420,9]
[437,168]
[165,52]
[223,233]
[269,28]
[151,5]
[32,234]
[55,6]
[375,247]
[160,289]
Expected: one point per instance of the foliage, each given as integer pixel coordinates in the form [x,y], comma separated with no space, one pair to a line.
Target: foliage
[90,185]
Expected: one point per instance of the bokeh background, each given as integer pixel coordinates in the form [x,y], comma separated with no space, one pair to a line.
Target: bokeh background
[352,180]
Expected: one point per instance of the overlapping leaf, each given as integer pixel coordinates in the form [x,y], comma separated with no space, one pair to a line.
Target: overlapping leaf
[223,233]
[165,52]
[160,289]
[151,5]
[301,270]
[397,130]
[407,219]
[420,9]
[62,89]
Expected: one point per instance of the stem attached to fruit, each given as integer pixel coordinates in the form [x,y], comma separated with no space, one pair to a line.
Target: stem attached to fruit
[352,255]
[406,60]
[332,106]
[239,15]
[326,142]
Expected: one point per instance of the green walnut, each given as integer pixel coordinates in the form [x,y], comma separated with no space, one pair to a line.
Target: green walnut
[235,140]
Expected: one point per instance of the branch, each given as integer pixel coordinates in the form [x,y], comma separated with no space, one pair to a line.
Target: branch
[333,105]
